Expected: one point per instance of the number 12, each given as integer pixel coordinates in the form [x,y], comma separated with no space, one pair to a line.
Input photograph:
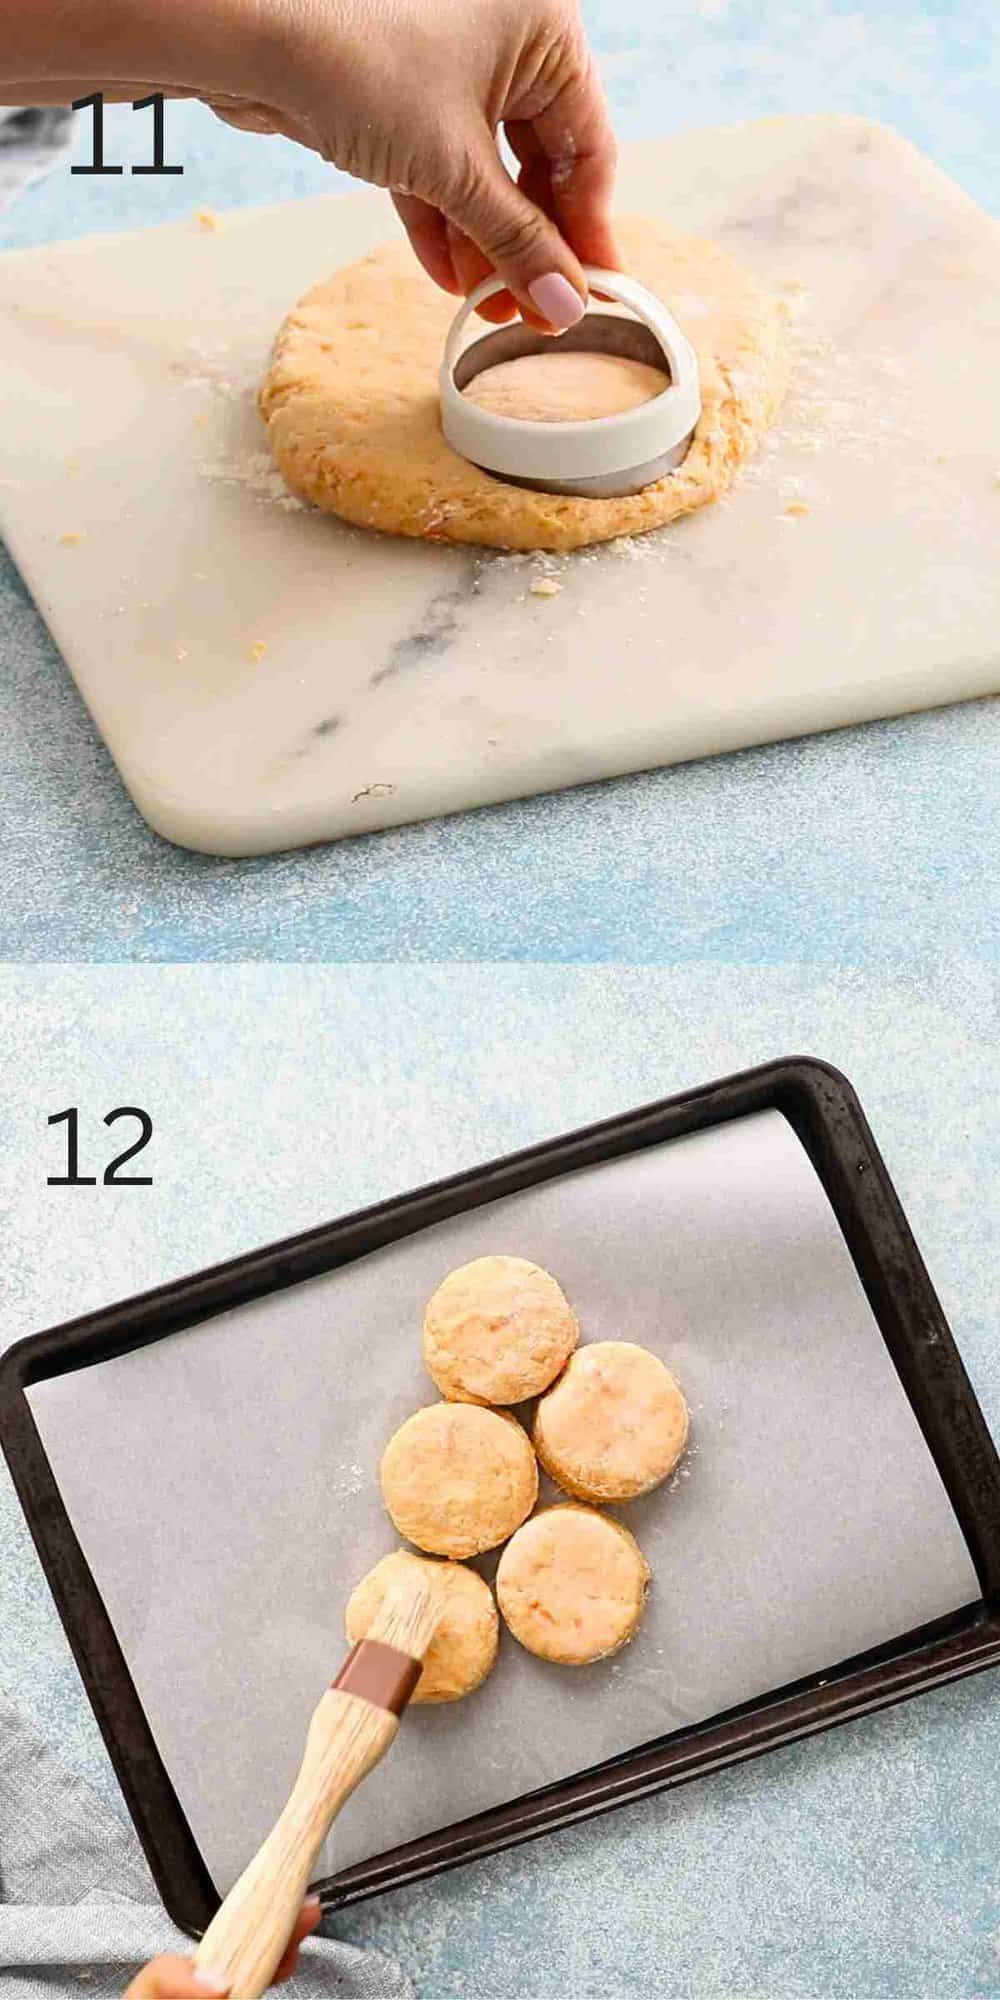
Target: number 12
[111,1178]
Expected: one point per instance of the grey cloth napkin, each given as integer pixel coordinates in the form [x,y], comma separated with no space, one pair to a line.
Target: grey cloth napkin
[78,1909]
[31,143]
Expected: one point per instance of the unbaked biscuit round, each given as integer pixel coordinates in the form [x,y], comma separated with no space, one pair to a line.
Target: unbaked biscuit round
[571,1585]
[497,1331]
[457,1479]
[353,420]
[565,388]
[464,1647]
[614,1425]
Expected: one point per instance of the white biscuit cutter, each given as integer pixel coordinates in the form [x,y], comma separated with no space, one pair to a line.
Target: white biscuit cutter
[599,457]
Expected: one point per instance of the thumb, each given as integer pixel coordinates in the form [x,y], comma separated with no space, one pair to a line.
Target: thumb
[521,242]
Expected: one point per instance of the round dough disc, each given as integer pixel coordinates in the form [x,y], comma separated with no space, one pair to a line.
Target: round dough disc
[556,388]
[614,1425]
[351,401]
[458,1479]
[571,1585]
[464,1647]
[497,1331]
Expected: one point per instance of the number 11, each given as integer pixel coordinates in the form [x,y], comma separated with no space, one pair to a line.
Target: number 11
[143,104]
[98,165]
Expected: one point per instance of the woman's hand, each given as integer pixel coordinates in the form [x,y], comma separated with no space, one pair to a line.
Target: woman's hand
[173,1978]
[408,94]
[411,94]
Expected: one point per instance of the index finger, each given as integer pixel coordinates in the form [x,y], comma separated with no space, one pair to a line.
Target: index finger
[573,139]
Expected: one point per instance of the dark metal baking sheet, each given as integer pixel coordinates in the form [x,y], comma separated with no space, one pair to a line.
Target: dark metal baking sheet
[827,1119]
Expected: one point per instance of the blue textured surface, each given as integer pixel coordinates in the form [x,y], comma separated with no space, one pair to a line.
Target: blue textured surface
[860,1866]
[840,895]
[861,844]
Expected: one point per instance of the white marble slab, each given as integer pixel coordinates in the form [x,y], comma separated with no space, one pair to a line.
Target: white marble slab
[266,677]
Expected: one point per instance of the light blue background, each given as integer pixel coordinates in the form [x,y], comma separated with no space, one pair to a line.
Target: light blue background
[838,895]
[863,844]
[861,1866]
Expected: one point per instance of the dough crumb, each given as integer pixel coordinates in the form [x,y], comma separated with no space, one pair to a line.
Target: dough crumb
[70,539]
[544,586]
[182,652]
[208,220]
[797,507]
[258,650]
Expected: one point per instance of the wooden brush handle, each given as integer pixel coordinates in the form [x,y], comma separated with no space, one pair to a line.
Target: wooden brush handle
[353,1726]
[246,1939]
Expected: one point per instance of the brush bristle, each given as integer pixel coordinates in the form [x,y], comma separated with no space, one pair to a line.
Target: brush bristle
[408,1615]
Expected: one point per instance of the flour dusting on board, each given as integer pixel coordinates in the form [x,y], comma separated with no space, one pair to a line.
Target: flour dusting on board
[831,407]
[215,371]
[833,404]
[213,368]
[256,471]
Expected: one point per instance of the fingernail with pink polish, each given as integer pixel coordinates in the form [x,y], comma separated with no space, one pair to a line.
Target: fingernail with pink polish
[557,300]
[209,1982]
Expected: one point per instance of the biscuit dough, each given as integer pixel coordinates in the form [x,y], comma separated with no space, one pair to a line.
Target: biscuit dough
[614,1425]
[560,388]
[497,1331]
[351,402]
[571,1585]
[457,1479]
[464,1647]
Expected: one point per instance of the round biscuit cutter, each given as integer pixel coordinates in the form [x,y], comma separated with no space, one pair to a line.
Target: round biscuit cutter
[599,457]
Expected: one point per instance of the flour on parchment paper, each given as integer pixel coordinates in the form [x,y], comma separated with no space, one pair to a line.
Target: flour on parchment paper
[349,1479]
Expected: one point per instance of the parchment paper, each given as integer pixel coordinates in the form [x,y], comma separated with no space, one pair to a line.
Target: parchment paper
[223,1486]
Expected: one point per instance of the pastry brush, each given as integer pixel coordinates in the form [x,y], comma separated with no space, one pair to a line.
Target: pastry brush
[351,1729]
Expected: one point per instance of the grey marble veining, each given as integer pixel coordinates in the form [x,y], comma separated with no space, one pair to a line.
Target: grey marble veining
[438,630]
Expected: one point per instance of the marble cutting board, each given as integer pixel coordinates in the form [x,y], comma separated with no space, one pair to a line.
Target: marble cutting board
[266,677]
